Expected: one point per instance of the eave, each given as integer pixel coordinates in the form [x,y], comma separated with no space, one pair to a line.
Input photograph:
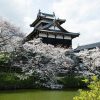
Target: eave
[61,21]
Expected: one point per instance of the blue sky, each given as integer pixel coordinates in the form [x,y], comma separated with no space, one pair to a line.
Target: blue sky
[81,15]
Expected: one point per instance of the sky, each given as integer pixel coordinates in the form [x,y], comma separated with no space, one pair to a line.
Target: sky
[82,16]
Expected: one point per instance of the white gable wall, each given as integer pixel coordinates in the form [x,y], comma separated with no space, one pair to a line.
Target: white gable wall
[54,28]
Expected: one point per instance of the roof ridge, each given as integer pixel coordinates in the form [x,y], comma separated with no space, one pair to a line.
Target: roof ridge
[46,14]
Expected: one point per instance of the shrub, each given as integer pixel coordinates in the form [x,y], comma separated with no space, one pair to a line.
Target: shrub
[93,93]
[4,57]
[11,81]
[71,81]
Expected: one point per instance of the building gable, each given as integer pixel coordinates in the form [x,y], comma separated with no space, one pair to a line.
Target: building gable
[54,28]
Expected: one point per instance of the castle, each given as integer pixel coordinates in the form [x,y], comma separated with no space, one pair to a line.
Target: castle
[47,27]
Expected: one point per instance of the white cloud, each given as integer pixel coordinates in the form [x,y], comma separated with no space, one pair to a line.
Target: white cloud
[81,16]
[27,21]
[22,11]
[18,11]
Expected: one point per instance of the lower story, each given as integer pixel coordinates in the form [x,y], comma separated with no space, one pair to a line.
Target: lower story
[58,42]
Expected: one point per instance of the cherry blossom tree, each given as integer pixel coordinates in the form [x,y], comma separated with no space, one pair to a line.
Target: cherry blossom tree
[9,35]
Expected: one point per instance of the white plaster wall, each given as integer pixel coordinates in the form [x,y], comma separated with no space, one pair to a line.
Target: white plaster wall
[51,35]
[67,37]
[42,35]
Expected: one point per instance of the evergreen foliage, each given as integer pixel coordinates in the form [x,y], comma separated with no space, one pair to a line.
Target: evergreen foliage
[93,93]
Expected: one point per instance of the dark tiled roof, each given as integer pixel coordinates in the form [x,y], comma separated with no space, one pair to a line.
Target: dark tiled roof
[40,18]
[89,46]
[45,14]
[47,26]
[61,21]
